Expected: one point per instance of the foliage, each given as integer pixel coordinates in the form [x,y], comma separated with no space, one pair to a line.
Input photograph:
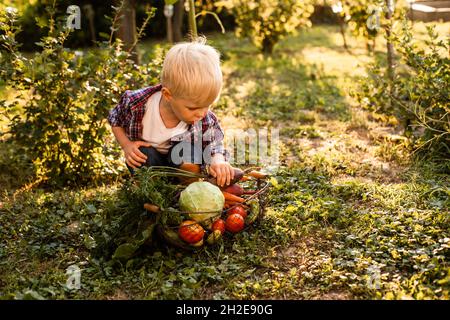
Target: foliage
[125,225]
[191,7]
[266,22]
[372,240]
[423,93]
[34,20]
[418,96]
[336,227]
[357,14]
[207,22]
[392,247]
[365,18]
[64,97]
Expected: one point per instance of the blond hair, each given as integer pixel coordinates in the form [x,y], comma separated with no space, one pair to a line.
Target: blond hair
[191,71]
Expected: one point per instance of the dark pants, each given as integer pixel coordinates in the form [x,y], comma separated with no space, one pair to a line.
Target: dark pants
[155,158]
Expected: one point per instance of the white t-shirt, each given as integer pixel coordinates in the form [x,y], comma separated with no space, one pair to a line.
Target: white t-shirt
[154,129]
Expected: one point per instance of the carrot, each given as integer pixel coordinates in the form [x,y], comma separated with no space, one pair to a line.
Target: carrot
[257,174]
[231,197]
[232,203]
[191,167]
[151,207]
[244,178]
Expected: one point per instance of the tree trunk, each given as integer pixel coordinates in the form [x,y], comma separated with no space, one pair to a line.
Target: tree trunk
[178,21]
[390,54]
[169,30]
[342,28]
[192,22]
[89,13]
[369,52]
[390,46]
[267,46]
[127,29]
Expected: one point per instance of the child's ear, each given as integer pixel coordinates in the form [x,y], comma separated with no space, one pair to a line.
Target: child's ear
[166,93]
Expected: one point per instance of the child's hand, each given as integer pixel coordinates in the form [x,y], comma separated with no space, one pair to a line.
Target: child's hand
[222,171]
[133,156]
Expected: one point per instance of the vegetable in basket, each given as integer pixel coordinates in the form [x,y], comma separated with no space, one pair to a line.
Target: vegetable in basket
[253,212]
[203,201]
[234,223]
[190,231]
[235,189]
[239,209]
[218,225]
[214,237]
[238,175]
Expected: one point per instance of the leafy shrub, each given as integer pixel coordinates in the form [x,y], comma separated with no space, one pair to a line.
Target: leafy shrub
[418,96]
[267,21]
[356,14]
[64,97]
[364,18]
[34,19]
[206,21]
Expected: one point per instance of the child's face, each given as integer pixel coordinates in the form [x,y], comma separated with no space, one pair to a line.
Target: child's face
[186,110]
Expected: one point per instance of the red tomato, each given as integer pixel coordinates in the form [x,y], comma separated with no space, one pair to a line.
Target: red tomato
[235,223]
[239,210]
[190,231]
[218,225]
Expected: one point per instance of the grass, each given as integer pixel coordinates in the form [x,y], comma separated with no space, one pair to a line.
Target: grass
[350,217]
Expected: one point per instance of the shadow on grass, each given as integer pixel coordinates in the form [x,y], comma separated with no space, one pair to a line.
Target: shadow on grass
[15,170]
[277,87]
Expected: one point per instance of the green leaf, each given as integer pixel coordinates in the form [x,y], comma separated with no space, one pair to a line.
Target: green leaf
[275,183]
[32,295]
[146,234]
[104,35]
[91,208]
[125,251]
[168,2]
[89,242]
[41,21]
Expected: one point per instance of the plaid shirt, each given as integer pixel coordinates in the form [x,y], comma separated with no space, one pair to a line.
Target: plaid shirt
[130,110]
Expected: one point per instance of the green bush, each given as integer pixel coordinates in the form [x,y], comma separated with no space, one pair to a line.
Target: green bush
[206,22]
[366,18]
[62,99]
[418,96]
[34,19]
[265,22]
[356,14]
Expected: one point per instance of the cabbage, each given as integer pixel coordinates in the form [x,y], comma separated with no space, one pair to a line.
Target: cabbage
[199,197]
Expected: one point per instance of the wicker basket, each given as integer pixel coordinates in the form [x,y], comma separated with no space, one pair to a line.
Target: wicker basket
[257,201]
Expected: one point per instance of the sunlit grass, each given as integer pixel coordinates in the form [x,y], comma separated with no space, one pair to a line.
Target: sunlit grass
[346,199]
